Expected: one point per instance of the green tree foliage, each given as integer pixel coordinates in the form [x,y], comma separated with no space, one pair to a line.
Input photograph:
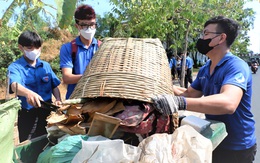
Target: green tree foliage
[28,18]
[178,23]
[9,49]
[68,8]
[30,7]
[169,20]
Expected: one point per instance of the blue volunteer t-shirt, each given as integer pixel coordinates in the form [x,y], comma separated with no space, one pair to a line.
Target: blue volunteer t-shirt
[40,79]
[239,125]
[189,62]
[83,57]
[172,63]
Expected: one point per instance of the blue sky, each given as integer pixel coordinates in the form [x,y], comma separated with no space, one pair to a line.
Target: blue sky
[254,33]
[102,6]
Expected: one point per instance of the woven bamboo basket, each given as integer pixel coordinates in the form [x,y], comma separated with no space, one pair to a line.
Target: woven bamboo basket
[128,68]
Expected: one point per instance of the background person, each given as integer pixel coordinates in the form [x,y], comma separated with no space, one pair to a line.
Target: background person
[32,80]
[188,68]
[173,66]
[178,65]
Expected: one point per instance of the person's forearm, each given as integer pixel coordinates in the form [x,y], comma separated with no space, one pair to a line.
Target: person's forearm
[31,97]
[214,104]
[71,79]
[56,94]
[19,89]
[179,91]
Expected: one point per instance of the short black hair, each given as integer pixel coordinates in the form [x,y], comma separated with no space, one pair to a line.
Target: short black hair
[225,25]
[29,38]
[84,12]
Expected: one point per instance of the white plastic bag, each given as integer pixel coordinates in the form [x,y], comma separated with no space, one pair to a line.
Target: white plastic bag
[106,151]
[185,145]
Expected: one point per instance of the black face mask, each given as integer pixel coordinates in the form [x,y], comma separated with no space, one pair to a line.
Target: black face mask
[203,45]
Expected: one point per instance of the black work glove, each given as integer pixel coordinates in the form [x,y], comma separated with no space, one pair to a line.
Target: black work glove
[169,104]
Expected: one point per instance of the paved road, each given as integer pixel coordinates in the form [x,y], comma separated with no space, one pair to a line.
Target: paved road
[256,110]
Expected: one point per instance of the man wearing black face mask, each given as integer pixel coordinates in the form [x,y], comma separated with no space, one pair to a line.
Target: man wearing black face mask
[203,44]
[222,90]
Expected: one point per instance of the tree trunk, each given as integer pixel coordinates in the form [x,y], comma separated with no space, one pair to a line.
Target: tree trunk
[184,56]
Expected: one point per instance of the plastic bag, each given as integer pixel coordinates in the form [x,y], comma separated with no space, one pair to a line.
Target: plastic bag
[183,146]
[8,115]
[107,151]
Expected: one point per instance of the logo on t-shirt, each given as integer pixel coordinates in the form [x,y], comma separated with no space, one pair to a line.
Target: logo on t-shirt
[239,78]
[45,78]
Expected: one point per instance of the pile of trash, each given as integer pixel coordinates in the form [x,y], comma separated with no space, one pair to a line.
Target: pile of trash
[184,145]
[109,117]
[113,99]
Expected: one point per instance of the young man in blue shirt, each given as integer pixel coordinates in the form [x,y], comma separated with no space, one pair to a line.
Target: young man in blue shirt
[172,65]
[73,68]
[222,90]
[32,80]
[188,68]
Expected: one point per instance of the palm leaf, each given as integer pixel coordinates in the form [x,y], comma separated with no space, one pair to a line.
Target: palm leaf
[9,12]
[59,4]
[68,9]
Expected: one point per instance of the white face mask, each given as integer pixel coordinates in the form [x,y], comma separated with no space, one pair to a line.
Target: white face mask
[88,33]
[32,55]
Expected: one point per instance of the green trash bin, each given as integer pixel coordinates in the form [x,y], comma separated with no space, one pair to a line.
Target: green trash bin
[29,150]
[8,115]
